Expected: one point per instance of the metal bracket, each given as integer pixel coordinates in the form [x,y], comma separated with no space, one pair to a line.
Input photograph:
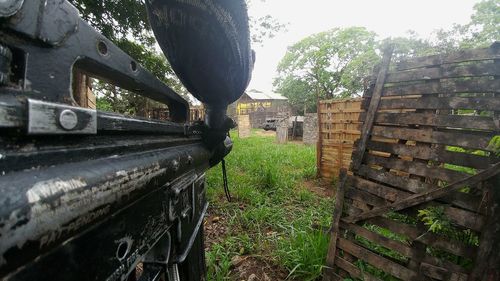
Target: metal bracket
[181,204]
[45,118]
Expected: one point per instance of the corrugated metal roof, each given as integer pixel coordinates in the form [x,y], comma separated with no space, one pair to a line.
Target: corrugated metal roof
[257,95]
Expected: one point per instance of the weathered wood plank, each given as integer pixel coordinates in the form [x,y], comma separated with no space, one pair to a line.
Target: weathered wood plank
[437,154]
[427,238]
[445,71]
[376,189]
[400,228]
[446,86]
[459,199]
[488,256]
[425,135]
[461,217]
[444,263]
[436,120]
[431,102]
[490,53]
[397,246]
[453,247]
[372,110]
[440,273]
[415,168]
[384,264]
[337,213]
[330,275]
[428,195]
[353,270]
[365,197]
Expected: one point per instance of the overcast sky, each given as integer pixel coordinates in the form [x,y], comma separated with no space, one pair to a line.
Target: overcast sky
[388,18]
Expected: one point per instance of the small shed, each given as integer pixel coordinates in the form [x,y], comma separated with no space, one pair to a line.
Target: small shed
[254,100]
[259,106]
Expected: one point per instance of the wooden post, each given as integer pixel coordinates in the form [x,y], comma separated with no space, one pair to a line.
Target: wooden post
[334,230]
[372,109]
[319,142]
[487,267]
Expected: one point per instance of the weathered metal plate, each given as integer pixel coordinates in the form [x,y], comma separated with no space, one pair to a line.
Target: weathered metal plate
[51,118]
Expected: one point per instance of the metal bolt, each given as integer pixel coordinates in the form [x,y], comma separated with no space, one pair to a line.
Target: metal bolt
[68,119]
[175,165]
[10,7]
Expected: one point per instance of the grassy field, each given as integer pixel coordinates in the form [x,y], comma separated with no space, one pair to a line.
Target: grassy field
[273,229]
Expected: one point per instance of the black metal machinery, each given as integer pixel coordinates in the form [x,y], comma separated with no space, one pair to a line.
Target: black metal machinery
[91,195]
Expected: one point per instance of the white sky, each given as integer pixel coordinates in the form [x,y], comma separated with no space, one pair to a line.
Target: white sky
[388,18]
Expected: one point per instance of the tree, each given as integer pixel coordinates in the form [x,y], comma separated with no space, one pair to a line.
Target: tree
[483,28]
[481,31]
[326,65]
[409,46]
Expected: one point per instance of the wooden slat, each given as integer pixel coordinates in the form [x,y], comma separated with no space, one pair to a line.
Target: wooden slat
[372,109]
[459,199]
[460,217]
[337,213]
[382,191]
[424,135]
[431,102]
[445,71]
[428,195]
[415,168]
[330,275]
[430,119]
[455,57]
[437,154]
[446,86]
[365,197]
[397,246]
[453,247]
[428,238]
[384,264]
[488,256]
[440,273]
[353,270]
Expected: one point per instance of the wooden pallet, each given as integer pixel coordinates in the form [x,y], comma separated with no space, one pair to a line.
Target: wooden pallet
[339,128]
[425,117]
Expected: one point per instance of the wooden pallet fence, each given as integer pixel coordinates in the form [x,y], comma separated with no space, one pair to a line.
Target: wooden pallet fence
[421,199]
[339,128]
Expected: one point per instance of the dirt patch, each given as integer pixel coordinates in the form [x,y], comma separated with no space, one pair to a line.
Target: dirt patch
[320,188]
[251,268]
[215,228]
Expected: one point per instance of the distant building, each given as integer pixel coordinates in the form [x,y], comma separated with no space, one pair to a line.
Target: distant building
[259,106]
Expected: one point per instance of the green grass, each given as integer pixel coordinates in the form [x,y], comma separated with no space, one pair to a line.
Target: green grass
[272,215]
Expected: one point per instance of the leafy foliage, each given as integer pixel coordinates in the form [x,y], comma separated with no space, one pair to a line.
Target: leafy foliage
[327,65]
[435,219]
[494,145]
[481,31]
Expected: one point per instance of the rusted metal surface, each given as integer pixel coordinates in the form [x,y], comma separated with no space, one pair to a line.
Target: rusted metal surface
[90,195]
